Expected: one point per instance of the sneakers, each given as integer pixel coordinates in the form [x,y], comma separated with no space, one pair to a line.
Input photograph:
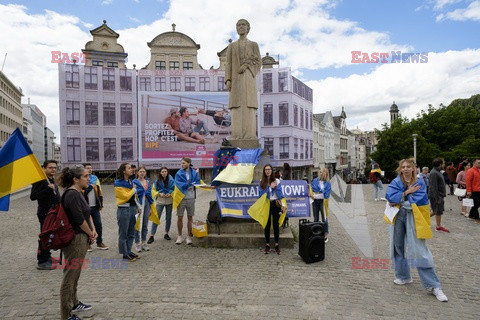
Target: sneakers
[179,240]
[133,255]
[129,259]
[277,249]
[441,229]
[401,282]
[383,199]
[167,237]
[44,266]
[74,317]
[145,247]
[376,199]
[102,246]
[150,240]
[437,292]
[81,307]
[189,240]
[267,249]
[89,248]
[326,239]
[138,247]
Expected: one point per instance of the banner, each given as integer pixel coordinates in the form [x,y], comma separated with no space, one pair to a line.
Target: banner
[235,199]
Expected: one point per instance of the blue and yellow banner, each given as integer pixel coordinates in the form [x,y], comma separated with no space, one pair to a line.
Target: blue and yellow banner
[18,167]
[240,167]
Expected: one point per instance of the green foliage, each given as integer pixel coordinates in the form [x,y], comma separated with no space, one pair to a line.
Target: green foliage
[451,132]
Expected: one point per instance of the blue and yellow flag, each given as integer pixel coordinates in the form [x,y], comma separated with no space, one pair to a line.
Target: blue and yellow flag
[18,167]
[260,210]
[241,167]
[124,190]
[182,185]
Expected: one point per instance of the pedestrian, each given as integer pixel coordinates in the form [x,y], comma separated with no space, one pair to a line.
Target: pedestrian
[127,207]
[452,175]
[462,184]
[425,176]
[437,192]
[407,246]
[185,179]
[286,172]
[162,192]
[74,180]
[321,189]
[94,196]
[144,193]
[46,193]
[375,177]
[271,186]
[473,188]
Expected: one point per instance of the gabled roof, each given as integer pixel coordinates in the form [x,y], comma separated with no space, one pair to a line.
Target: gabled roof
[104,30]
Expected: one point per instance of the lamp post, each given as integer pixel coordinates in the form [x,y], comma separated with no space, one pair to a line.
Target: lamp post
[415,146]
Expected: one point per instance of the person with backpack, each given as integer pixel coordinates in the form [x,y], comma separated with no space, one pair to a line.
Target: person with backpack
[144,192]
[46,193]
[74,180]
[162,192]
[375,177]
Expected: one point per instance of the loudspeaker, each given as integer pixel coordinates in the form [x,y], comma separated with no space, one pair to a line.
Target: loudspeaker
[311,241]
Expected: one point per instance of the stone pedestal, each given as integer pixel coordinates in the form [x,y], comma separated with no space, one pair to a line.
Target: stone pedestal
[245,143]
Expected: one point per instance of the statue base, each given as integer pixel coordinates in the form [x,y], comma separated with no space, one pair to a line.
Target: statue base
[245,143]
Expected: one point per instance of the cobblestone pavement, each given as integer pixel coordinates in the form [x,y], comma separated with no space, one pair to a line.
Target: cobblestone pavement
[186,282]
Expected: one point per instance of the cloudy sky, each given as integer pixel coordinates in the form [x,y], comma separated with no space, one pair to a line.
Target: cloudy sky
[313,37]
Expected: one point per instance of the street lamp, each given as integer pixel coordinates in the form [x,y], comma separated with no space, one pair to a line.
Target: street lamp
[415,147]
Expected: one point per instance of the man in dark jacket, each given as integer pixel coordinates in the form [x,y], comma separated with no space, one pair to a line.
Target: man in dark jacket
[46,193]
[437,191]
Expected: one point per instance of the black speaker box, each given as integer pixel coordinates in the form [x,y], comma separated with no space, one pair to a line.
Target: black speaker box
[311,241]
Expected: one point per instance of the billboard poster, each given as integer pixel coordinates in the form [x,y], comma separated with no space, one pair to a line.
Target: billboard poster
[173,125]
[234,199]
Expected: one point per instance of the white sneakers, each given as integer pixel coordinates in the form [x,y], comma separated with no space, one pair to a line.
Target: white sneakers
[438,292]
[145,247]
[383,199]
[401,282]
[138,247]
[179,240]
[189,240]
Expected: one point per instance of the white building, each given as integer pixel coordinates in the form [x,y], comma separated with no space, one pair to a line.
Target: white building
[49,144]
[10,108]
[35,121]
[328,149]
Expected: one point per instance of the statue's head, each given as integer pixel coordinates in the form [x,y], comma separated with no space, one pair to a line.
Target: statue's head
[243,22]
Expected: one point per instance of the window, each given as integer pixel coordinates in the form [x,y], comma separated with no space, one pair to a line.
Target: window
[97,63]
[189,83]
[267,82]
[283,114]
[282,81]
[284,153]
[221,84]
[306,149]
[175,84]
[160,65]
[268,145]
[73,112]
[71,76]
[306,119]
[91,113]
[160,84]
[125,80]
[268,114]
[311,149]
[73,149]
[109,149]
[127,149]
[145,84]
[301,117]
[295,148]
[111,64]
[204,84]
[302,148]
[126,114]
[91,81]
[109,114]
[174,65]
[91,149]
[109,79]
[295,115]
[188,65]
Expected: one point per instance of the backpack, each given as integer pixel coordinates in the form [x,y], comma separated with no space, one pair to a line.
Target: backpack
[373,177]
[214,215]
[57,232]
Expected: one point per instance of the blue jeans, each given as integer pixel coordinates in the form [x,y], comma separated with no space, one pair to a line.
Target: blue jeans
[317,207]
[168,217]
[201,125]
[126,228]
[402,267]
[376,186]
[144,226]
[97,222]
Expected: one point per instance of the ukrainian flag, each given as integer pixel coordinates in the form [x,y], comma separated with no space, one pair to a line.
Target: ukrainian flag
[181,185]
[18,167]
[260,210]
[241,167]
[124,190]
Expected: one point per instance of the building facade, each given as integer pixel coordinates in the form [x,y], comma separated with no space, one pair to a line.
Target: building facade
[34,129]
[10,108]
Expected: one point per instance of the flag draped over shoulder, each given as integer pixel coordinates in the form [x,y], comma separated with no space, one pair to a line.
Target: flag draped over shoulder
[260,210]
[18,167]
[182,185]
[124,190]
[419,202]
[240,167]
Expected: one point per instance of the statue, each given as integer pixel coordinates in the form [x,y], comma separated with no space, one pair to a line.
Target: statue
[243,64]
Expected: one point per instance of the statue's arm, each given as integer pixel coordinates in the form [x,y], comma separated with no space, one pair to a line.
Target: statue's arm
[255,62]
[228,68]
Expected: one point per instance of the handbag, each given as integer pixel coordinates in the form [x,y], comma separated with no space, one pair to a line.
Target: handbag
[460,192]
[467,202]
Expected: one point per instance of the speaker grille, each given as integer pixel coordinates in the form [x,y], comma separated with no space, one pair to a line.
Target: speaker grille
[311,241]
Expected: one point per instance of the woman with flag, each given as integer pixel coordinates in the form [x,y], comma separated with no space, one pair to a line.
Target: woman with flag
[127,202]
[144,192]
[321,188]
[162,192]
[410,227]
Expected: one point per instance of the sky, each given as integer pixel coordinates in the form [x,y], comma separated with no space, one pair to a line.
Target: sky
[315,38]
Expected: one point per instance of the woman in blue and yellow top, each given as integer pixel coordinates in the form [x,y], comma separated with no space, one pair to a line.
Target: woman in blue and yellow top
[410,228]
[144,192]
[272,187]
[321,188]
[162,192]
[125,194]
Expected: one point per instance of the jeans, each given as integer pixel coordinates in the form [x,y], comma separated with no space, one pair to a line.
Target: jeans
[97,222]
[126,228]
[144,226]
[402,267]
[201,125]
[168,217]
[317,207]
[43,256]
[275,216]
[378,185]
